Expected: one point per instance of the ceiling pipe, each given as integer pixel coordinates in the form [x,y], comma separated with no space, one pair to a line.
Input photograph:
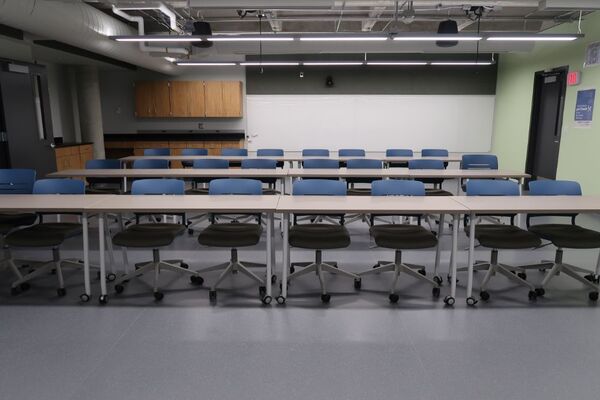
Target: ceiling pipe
[160,6]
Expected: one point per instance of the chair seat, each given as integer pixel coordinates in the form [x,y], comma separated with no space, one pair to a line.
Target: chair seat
[319,236]
[568,236]
[398,236]
[270,192]
[505,237]
[99,190]
[8,222]
[230,235]
[44,235]
[437,192]
[148,235]
[197,191]
[359,192]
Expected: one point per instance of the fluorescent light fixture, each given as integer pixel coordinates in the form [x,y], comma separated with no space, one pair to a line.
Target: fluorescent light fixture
[170,59]
[158,38]
[263,38]
[316,63]
[269,63]
[343,38]
[207,64]
[462,63]
[396,63]
[436,38]
[534,38]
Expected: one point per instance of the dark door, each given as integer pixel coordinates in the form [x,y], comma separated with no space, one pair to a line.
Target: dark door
[26,120]
[546,123]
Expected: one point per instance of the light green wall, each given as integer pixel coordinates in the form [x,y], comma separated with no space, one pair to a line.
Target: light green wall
[579,157]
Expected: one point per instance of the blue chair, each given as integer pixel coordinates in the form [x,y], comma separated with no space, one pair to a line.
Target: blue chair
[233,236]
[319,237]
[564,236]
[103,185]
[437,183]
[192,152]
[228,152]
[500,236]
[269,153]
[46,235]
[263,163]
[157,152]
[434,153]
[477,161]
[320,163]
[154,235]
[351,153]
[402,237]
[398,153]
[315,153]
[151,164]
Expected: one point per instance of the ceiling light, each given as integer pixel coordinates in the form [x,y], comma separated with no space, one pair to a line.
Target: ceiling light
[170,59]
[342,38]
[396,63]
[438,38]
[250,38]
[462,63]
[269,63]
[157,38]
[317,63]
[207,64]
[535,37]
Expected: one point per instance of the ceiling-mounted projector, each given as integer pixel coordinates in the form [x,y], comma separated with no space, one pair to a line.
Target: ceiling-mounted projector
[202,28]
[447,27]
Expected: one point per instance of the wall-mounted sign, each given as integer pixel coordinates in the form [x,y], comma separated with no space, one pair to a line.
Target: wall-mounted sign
[574,78]
[584,108]
[592,55]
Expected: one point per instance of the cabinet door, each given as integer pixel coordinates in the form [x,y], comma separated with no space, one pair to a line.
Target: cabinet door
[143,99]
[187,99]
[152,99]
[161,97]
[213,93]
[232,98]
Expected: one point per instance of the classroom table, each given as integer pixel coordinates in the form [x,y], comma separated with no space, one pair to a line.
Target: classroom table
[520,204]
[181,204]
[369,205]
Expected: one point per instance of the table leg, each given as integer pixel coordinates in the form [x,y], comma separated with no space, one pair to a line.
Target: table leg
[286,259]
[472,224]
[269,255]
[103,292]
[86,259]
[438,249]
[455,223]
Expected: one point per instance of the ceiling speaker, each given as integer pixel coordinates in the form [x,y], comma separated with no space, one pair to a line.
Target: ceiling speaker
[202,28]
[447,27]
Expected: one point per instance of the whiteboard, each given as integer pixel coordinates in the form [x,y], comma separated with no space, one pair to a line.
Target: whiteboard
[459,123]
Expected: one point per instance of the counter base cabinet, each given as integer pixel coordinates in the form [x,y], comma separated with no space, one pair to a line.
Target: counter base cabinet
[73,157]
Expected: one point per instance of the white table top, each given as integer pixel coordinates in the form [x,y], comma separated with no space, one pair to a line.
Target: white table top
[404,173]
[170,173]
[531,204]
[286,157]
[46,203]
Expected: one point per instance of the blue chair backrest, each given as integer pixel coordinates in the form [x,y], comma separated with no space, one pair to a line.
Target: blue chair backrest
[554,188]
[319,187]
[398,153]
[426,164]
[365,163]
[479,161]
[211,163]
[351,153]
[102,164]
[393,187]
[491,187]
[17,181]
[157,152]
[315,153]
[158,186]
[151,164]
[235,186]
[269,152]
[59,186]
[434,153]
[321,163]
[259,163]
[194,152]
[234,152]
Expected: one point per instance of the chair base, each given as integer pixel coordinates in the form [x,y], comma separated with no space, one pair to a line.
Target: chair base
[508,271]
[590,280]
[22,282]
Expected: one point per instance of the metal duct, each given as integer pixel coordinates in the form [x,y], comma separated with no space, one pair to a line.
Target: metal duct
[559,5]
[81,25]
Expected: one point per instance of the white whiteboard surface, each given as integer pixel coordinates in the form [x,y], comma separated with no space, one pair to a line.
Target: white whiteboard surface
[459,123]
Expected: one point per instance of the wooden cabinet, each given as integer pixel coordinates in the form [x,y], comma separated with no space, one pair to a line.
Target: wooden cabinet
[73,157]
[188,99]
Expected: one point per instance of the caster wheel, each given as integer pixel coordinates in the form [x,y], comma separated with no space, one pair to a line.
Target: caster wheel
[190,231]
[292,270]
[273,279]
[438,280]
[540,292]
[61,292]
[196,280]
[14,291]
[449,278]
[593,296]
[483,295]
[212,296]
[357,284]
[280,300]
[532,295]
[103,299]
[184,265]
[158,296]
[267,300]
[472,301]
[423,272]
[111,277]
[435,292]
[325,298]
[84,298]
[25,286]
[449,300]
[522,275]
[590,278]
[542,269]
[119,288]
[394,298]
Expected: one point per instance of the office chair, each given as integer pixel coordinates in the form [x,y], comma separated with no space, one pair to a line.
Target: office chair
[103,185]
[263,163]
[361,163]
[564,236]
[157,152]
[315,153]
[192,152]
[271,153]
[46,235]
[398,153]
[230,151]
[437,183]
[319,237]
[434,153]
[477,161]
[234,235]
[319,163]
[402,237]
[151,164]
[350,153]
[497,237]
[154,235]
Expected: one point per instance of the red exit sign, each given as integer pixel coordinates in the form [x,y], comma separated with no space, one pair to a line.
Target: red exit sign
[574,78]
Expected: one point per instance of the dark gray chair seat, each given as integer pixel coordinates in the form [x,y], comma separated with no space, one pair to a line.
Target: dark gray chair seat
[437,192]
[568,236]
[319,236]
[270,192]
[230,235]
[8,222]
[359,192]
[49,234]
[505,237]
[148,235]
[400,237]
[197,191]
[105,190]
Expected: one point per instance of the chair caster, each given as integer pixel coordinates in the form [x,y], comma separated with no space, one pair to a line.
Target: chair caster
[25,286]
[593,296]
[522,275]
[262,291]
[483,295]
[212,296]
[84,298]
[542,269]
[119,289]
[540,292]
[325,298]
[423,272]
[267,300]
[110,277]
[273,279]
[61,292]
[280,300]
[393,298]
[357,284]
[292,270]
[184,265]
[438,280]
[190,232]
[196,280]
[592,278]
[532,295]
[449,301]
[158,296]
[435,292]
[103,299]
[471,301]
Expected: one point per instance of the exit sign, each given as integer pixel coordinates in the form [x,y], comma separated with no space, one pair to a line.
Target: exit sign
[574,78]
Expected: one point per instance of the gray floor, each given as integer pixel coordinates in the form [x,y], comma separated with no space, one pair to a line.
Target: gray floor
[358,347]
